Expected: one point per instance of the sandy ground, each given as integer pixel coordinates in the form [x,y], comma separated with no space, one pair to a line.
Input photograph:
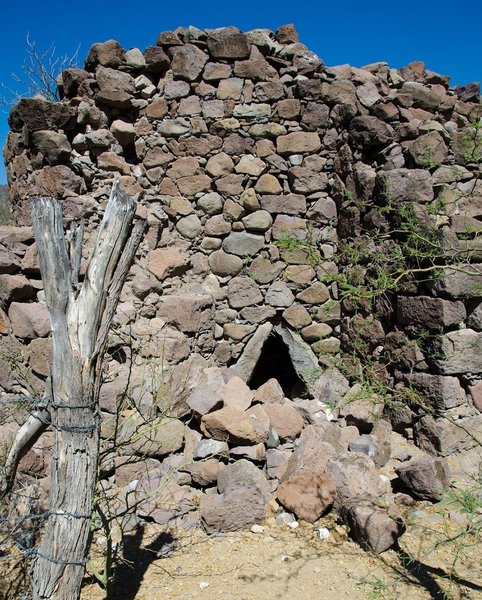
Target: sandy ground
[281,563]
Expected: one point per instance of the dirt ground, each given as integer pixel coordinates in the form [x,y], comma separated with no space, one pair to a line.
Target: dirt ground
[281,563]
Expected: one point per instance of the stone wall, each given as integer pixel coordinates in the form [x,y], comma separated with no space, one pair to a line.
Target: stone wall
[277,191]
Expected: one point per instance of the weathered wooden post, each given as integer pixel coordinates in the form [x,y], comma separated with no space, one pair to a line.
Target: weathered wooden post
[80,315]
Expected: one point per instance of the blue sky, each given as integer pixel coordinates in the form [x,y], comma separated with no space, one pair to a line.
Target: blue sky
[447,36]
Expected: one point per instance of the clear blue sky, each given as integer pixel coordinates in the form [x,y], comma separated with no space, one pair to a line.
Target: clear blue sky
[446,35]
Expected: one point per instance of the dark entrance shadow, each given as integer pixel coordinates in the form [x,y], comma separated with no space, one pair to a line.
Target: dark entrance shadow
[275,363]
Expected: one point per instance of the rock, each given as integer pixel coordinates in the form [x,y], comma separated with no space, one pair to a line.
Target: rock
[189,227]
[355,476]
[444,437]
[259,220]
[441,392]
[370,132]
[15,288]
[317,293]
[231,425]
[158,437]
[107,54]
[220,164]
[428,311]
[285,419]
[38,114]
[165,261]
[224,264]
[270,392]
[243,474]
[54,146]
[156,59]
[39,353]
[289,204]
[207,448]
[279,295]
[188,62]
[312,454]
[236,394]
[298,143]
[242,243]
[307,495]
[455,283]
[243,291]
[268,184]
[236,510]
[453,354]
[228,43]
[338,92]
[371,526]
[205,472]
[428,151]
[123,132]
[189,312]
[382,435]
[427,478]
[406,185]
[29,320]
[422,95]
[362,413]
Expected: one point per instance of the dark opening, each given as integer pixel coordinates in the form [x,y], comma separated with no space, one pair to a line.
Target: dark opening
[275,362]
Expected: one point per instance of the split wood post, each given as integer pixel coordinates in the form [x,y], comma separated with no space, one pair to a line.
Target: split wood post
[80,316]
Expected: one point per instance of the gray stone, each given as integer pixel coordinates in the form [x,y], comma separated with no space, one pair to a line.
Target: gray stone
[371,526]
[460,352]
[236,510]
[211,203]
[457,283]
[279,295]
[243,474]
[252,351]
[441,392]
[289,204]
[224,264]
[189,227]
[259,220]
[242,243]
[188,62]
[370,132]
[445,437]
[206,448]
[406,185]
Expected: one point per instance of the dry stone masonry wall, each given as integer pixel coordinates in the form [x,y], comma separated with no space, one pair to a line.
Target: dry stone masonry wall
[301,220]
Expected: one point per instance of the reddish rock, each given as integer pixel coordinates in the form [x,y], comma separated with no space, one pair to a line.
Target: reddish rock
[285,419]
[236,394]
[231,425]
[308,495]
[164,261]
[427,478]
[270,392]
[29,320]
